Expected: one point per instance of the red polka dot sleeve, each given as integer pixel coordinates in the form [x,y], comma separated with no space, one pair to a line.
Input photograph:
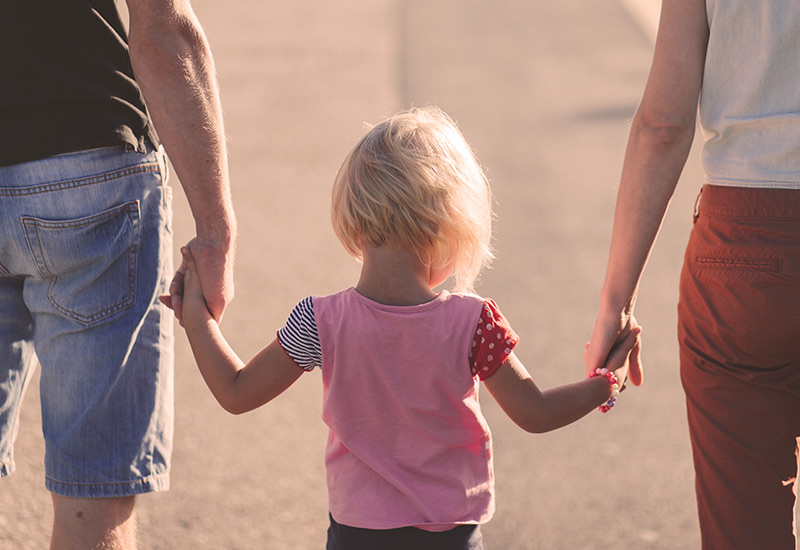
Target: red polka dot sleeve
[494,341]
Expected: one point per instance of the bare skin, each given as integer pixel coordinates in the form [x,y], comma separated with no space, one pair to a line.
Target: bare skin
[395,277]
[101,524]
[175,70]
[660,139]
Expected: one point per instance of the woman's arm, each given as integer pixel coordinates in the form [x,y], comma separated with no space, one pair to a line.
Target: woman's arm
[660,139]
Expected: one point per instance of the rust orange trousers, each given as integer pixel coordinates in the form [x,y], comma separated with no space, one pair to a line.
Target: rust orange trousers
[739,333]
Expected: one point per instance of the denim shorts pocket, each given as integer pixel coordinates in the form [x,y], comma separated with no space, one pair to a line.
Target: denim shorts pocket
[90,262]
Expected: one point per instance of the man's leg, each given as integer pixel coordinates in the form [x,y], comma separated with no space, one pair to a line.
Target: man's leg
[99,523]
[97,255]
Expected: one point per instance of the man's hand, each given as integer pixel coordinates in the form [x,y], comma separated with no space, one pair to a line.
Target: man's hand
[214,265]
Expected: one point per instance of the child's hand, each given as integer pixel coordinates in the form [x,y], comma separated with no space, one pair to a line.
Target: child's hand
[174,298]
[194,306]
[608,334]
[623,353]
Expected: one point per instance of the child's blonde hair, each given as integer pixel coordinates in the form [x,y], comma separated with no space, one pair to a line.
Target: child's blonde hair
[413,181]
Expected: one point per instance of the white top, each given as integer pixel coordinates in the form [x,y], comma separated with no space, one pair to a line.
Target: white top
[750,102]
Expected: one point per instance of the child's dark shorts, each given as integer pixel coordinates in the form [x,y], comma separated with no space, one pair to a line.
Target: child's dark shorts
[344,537]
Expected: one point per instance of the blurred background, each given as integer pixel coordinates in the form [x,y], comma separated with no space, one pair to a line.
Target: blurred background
[544,92]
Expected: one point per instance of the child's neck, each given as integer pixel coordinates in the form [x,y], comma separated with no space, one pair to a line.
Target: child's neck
[394,276]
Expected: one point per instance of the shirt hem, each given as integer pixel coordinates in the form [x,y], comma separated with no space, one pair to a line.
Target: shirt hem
[793,185]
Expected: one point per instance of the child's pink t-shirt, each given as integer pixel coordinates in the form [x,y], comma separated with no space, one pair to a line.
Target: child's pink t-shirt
[408,444]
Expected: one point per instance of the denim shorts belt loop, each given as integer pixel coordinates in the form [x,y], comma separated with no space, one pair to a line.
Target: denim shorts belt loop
[85,251]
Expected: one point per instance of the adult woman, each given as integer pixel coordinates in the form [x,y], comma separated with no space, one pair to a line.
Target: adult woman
[739,310]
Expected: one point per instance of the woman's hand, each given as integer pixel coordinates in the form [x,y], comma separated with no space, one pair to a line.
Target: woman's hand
[615,346]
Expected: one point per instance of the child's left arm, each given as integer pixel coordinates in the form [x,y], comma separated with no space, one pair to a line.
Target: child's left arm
[539,411]
[237,386]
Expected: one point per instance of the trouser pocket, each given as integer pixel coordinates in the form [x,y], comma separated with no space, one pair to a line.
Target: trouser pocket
[90,262]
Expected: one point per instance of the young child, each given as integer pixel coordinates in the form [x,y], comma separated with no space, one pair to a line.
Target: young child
[409,457]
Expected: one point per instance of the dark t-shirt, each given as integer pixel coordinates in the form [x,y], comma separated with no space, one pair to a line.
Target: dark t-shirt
[66,82]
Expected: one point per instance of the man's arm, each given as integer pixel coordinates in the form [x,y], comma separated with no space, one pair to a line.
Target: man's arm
[173,65]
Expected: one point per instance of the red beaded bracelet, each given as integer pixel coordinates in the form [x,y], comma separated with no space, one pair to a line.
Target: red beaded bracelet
[613,382]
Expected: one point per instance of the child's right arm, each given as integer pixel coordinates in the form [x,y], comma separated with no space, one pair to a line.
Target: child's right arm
[237,386]
[539,411]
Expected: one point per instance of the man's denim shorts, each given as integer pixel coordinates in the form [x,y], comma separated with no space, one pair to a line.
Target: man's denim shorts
[85,252]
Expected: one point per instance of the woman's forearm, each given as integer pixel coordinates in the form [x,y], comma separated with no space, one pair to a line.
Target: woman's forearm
[660,140]
[654,160]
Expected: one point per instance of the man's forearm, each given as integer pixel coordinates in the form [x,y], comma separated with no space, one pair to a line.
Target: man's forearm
[175,70]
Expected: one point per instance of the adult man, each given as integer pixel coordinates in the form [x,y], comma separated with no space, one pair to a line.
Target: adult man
[85,240]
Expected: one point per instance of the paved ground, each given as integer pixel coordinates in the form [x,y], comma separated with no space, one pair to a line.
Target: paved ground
[544,92]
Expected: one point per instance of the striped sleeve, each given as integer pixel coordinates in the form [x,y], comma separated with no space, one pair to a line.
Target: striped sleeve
[299,336]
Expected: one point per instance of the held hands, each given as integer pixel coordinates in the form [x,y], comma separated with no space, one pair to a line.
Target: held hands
[622,356]
[189,293]
[214,267]
[615,345]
